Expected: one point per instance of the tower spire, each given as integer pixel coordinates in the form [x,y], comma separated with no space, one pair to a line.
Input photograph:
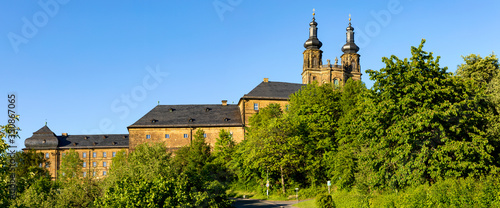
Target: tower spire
[350,46]
[313,41]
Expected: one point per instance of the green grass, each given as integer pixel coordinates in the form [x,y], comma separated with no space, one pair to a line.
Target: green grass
[306,204]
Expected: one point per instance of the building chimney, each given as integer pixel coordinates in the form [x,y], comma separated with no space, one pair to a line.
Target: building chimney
[65,134]
[266,80]
[224,102]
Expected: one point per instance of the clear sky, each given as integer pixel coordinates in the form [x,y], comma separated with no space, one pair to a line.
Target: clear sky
[94,67]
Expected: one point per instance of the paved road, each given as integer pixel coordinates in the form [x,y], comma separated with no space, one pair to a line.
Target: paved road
[247,203]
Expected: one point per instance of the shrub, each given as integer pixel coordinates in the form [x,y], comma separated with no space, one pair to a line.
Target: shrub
[325,201]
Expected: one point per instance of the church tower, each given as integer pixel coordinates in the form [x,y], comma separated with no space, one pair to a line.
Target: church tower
[312,56]
[336,74]
[350,58]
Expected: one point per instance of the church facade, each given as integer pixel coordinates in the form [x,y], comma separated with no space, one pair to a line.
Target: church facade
[175,125]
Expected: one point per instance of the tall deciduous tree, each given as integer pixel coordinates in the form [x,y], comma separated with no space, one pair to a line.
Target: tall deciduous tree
[71,166]
[269,147]
[421,124]
[342,163]
[313,114]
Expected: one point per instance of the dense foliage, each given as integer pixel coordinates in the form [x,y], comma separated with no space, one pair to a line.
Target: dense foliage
[420,137]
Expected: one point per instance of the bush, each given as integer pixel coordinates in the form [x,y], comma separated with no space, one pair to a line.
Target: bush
[325,201]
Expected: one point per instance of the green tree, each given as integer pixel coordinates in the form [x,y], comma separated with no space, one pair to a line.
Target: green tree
[41,193]
[71,166]
[149,177]
[268,147]
[223,153]
[224,147]
[421,124]
[7,133]
[343,162]
[482,70]
[313,114]
[28,169]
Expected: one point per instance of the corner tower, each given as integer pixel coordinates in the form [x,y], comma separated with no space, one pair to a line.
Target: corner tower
[311,70]
[350,58]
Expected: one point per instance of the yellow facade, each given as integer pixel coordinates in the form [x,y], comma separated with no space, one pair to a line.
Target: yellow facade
[96,162]
[250,107]
[179,137]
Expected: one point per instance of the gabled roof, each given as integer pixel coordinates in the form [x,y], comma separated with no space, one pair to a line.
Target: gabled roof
[93,141]
[273,90]
[44,138]
[190,116]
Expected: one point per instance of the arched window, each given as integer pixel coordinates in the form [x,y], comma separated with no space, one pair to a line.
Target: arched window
[336,82]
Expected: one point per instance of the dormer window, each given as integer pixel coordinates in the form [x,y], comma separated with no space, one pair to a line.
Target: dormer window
[171,110]
[86,137]
[154,120]
[207,109]
[190,120]
[226,119]
[44,141]
[104,136]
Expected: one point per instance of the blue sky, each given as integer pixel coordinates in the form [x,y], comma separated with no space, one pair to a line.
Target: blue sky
[89,67]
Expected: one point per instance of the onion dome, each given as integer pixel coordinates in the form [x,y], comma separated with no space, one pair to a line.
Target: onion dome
[350,46]
[313,41]
[44,138]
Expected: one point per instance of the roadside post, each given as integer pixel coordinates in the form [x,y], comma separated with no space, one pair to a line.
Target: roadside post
[267,191]
[297,194]
[329,183]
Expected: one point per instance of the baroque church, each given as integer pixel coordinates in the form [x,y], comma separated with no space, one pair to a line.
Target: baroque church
[175,125]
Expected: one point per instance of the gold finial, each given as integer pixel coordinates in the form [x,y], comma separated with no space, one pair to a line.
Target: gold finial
[349,17]
[314,11]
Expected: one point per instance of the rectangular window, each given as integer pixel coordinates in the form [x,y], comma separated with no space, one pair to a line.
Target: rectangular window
[63,154]
[40,165]
[84,174]
[47,155]
[204,135]
[94,154]
[93,174]
[185,135]
[104,154]
[103,164]
[84,155]
[94,164]
[256,106]
[167,136]
[148,136]
[64,174]
[113,154]
[84,164]
[103,173]
[47,165]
